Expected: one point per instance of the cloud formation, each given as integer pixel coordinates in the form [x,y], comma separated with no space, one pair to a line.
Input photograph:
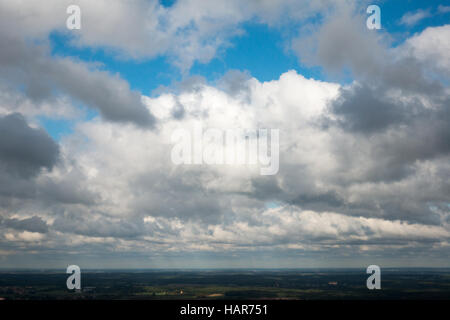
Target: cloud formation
[42,75]
[411,18]
[364,165]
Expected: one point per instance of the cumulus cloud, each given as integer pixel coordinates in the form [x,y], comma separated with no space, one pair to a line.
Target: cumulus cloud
[431,46]
[32,67]
[319,168]
[339,184]
[393,103]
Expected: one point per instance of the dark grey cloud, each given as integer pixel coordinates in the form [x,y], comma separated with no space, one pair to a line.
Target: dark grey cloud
[363,110]
[342,42]
[75,222]
[182,195]
[408,75]
[15,187]
[24,151]
[426,137]
[395,113]
[43,77]
[33,224]
[71,189]
[398,131]
[234,82]
[319,202]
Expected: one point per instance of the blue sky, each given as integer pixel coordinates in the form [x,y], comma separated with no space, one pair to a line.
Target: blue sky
[260,50]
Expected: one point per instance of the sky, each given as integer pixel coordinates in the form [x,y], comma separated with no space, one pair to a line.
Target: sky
[87,117]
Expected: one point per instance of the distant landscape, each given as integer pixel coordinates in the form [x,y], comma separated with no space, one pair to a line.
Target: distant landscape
[304,284]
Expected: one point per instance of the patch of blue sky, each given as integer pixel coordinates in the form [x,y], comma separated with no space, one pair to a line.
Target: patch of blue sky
[272,205]
[58,127]
[392,12]
[142,75]
[262,51]
[167,3]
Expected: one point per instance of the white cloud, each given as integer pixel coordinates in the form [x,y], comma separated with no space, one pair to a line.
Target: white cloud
[432,46]
[443,9]
[323,195]
[412,18]
[25,236]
